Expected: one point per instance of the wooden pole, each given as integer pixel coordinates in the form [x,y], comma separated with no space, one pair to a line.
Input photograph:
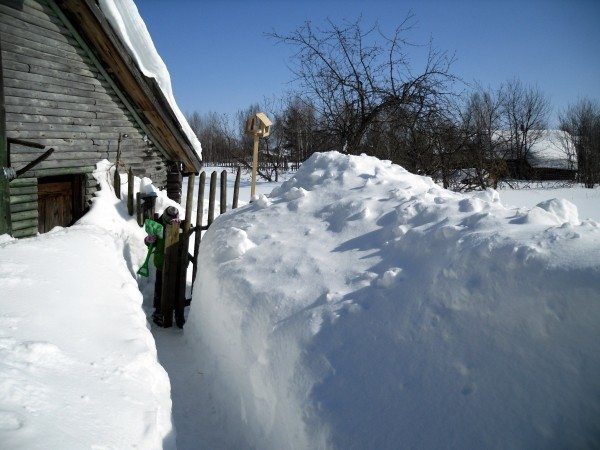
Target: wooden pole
[117,182]
[174,182]
[183,254]
[254,167]
[236,188]
[189,200]
[199,217]
[130,192]
[211,197]
[223,199]
[117,178]
[182,275]
[138,208]
[169,273]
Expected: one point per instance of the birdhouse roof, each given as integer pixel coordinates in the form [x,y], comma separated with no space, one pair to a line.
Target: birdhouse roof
[264,119]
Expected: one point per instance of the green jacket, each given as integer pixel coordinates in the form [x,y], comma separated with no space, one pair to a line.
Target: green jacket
[159,249]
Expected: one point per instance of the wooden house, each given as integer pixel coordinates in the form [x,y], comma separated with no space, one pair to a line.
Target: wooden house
[552,156]
[68,83]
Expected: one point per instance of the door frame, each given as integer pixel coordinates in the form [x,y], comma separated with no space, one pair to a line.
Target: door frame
[77,182]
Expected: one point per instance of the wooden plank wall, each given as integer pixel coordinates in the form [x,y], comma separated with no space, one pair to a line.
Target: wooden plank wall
[55,96]
[23,206]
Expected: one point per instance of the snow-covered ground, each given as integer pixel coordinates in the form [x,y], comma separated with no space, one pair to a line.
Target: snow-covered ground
[361,306]
[195,414]
[357,306]
[586,200]
[78,365]
[262,187]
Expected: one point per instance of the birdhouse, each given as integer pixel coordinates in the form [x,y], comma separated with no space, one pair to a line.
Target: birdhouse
[258,125]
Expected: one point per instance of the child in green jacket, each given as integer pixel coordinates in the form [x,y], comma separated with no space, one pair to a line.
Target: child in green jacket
[169,215]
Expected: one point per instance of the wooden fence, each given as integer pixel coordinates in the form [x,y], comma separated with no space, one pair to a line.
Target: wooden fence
[178,234]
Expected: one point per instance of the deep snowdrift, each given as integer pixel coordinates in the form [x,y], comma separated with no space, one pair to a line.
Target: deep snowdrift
[78,365]
[361,306]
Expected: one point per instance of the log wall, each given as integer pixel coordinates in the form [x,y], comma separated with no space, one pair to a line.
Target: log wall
[55,96]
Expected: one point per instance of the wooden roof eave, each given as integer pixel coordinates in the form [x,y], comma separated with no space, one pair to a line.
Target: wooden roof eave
[145,94]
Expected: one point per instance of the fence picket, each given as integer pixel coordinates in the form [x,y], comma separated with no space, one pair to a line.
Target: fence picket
[138,208]
[199,218]
[169,273]
[223,199]
[211,197]
[236,188]
[130,192]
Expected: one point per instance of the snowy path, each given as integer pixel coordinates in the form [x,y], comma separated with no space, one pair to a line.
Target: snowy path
[190,404]
[194,414]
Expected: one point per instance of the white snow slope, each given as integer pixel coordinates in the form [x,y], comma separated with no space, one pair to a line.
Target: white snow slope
[361,306]
[125,19]
[78,366]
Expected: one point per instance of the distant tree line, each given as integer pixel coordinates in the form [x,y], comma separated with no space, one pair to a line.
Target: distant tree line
[359,93]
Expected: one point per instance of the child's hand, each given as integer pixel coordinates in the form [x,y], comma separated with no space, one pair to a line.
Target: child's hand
[150,239]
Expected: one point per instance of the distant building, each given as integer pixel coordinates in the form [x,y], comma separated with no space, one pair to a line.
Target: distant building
[551,157]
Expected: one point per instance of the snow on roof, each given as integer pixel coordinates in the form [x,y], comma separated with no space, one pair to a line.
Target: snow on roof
[553,149]
[125,19]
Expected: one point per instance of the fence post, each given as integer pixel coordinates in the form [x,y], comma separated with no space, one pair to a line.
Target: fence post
[117,182]
[254,167]
[236,188]
[199,217]
[189,201]
[183,253]
[130,192]
[138,208]
[211,197]
[223,199]
[169,273]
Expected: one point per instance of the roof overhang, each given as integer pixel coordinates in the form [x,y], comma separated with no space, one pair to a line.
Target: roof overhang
[143,92]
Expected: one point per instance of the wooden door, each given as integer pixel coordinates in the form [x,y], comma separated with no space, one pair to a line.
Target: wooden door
[59,202]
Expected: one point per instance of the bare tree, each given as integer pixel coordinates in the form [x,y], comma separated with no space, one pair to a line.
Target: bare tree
[525,112]
[272,152]
[352,75]
[215,133]
[582,122]
[482,119]
[299,125]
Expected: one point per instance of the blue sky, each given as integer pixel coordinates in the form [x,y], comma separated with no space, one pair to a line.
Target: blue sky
[220,60]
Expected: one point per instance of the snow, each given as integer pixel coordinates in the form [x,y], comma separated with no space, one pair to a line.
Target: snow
[356,306]
[552,150]
[586,200]
[361,306]
[126,21]
[78,364]
[262,187]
